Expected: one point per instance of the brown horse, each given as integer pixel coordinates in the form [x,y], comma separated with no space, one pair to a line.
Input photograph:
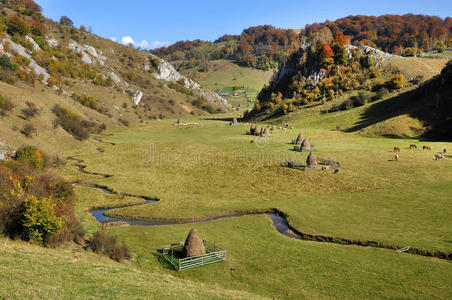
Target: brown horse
[426,148]
[444,151]
[396,149]
[413,146]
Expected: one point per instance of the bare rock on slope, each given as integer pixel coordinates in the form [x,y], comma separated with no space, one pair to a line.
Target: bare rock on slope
[20,50]
[167,72]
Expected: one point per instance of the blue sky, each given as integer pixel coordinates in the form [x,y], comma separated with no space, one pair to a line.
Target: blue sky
[155,23]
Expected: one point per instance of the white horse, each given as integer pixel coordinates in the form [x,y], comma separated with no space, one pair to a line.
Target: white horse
[439,156]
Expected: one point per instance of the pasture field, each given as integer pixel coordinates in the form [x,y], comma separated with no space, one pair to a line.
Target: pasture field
[226,74]
[212,169]
[77,274]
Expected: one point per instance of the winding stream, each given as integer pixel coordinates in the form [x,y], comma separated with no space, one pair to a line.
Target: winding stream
[278,218]
[279,221]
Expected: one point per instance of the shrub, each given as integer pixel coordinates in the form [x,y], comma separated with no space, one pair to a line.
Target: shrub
[17,25]
[31,156]
[88,101]
[64,20]
[6,63]
[397,82]
[28,130]
[37,28]
[36,205]
[382,92]
[6,105]
[180,87]
[31,110]
[70,122]
[409,52]
[108,245]
[40,219]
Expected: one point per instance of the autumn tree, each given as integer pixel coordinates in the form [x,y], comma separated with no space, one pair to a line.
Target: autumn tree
[326,56]
[340,54]
[64,20]
[17,25]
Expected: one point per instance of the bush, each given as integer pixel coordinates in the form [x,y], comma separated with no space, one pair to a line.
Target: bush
[88,101]
[6,105]
[64,20]
[6,63]
[108,245]
[37,28]
[37,205]
[28,130]
[409,52]
[31,156]
[382,92]
[397,82]
[31,110]
[40,219]
[71,122]
[17,25]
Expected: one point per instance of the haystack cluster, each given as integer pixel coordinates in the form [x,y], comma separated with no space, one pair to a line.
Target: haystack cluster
[255,130]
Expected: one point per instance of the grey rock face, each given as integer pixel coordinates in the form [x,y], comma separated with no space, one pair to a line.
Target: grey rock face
[20,50]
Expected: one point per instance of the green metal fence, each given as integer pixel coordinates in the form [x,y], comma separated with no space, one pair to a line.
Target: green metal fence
[213,254]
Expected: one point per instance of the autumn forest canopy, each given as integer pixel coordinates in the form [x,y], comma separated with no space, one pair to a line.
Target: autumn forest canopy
[266,47]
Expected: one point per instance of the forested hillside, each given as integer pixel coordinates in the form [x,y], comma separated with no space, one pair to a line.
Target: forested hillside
[266,47]
[390,33]
[261,47]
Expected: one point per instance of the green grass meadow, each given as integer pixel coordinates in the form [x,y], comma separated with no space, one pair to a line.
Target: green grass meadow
[214,168]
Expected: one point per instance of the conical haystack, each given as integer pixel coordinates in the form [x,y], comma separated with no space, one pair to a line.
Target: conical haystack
[311,161]
[300,139]
[194,245]
[234,121]
[305,145]
[256,130]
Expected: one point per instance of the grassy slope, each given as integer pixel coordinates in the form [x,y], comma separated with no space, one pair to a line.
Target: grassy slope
[48,138]
[263,261]
[81,275]
[226,74]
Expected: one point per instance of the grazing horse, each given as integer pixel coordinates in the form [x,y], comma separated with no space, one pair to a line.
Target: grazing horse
[426,148]
[397,157]
[336,171]
[396,149]
[413,146]
[323,168]
[439,156]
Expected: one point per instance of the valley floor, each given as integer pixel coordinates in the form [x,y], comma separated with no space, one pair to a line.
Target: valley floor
[214,168]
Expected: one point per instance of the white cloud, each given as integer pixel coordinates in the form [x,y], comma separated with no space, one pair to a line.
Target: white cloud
[126,40]
[158,44]
[113,39]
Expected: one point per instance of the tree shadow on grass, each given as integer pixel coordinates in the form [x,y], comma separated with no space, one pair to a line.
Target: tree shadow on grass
[431,103]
